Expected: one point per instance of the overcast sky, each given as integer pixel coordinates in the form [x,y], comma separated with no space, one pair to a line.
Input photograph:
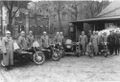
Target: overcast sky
[72,0]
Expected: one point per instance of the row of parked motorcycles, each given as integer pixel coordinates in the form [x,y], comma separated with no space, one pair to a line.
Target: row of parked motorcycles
[54,51]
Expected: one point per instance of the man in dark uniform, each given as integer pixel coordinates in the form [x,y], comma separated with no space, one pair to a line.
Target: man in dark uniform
[117,37]
[110,41]
[119,42]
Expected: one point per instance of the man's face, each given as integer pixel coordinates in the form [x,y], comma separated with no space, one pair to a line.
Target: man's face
[61,33]
[57,33]
[104,34]
[117,32]
[30,33]
[23,34]
[8,34]
[83,32]
[90,32]
[93,32]
[44,34]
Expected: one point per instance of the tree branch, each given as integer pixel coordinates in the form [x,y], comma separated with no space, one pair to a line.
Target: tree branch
[6,4]
[15,12]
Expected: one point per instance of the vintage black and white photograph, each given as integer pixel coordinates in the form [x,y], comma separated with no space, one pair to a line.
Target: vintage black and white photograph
[59,41]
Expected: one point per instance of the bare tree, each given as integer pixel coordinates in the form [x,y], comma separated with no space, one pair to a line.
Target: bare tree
[93,8]
[11,5]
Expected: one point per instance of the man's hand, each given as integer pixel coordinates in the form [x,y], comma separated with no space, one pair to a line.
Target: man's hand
[5,53]
[1,52]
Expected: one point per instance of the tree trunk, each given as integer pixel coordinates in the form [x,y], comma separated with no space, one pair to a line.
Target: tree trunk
[59,20]
[10,19]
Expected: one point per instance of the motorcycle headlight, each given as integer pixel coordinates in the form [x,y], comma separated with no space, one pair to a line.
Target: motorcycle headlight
[68,46]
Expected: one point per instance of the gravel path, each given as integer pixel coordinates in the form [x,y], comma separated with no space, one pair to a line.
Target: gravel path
[68,69]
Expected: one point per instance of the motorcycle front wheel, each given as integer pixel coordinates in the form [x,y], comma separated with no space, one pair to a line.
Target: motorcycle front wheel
[56,55]
[39,58]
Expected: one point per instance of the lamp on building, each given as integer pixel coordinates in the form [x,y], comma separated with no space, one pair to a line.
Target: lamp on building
[71,27]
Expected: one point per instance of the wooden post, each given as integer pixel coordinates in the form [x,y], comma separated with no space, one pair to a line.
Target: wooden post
[27,23]
[76,33]
[1,19]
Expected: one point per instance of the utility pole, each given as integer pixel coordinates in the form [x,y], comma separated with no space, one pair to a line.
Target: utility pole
[1,18]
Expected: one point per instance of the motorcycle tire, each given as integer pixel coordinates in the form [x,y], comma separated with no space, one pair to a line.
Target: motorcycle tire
[62,53]
[91,55]
[106,55]
[78,54]
[56,56]
[39,58]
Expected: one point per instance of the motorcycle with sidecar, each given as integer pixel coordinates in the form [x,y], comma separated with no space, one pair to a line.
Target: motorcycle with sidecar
[72,48]
[33,54]
[36,54]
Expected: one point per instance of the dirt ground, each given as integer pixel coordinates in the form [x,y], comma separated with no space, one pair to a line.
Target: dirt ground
[68,69]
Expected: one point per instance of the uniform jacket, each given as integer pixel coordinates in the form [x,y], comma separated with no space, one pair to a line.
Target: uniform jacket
[7,49]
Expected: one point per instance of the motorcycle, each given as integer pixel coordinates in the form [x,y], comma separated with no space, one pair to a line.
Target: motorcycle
[51,53]
[59,46]
[89,50]
[104,51]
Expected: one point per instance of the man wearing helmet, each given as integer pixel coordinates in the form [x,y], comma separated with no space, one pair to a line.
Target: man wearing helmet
[45,40]
[7,49]
[95,40]
[61,37]
[30,39]
[56,38]
[22,42]
[83,41]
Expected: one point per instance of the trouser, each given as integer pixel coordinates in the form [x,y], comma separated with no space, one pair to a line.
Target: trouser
[111,49]
[100,47]
[95,49]
[119,48]
[83,48]
[116,49]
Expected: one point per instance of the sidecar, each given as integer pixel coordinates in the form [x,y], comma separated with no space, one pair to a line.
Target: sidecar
[32,54]
[72,48]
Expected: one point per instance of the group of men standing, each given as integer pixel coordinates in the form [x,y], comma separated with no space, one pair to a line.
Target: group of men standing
[24,41]
[8,47]
[114,42]
[92,38]
[97,41]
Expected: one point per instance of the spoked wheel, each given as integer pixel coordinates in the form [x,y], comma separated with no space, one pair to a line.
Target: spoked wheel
[61,53]
[56,55]
[91,55]
[2,63]
[106,54]
[39,58]
[78,53]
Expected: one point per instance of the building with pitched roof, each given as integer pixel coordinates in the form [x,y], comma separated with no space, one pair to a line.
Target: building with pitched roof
[108,16]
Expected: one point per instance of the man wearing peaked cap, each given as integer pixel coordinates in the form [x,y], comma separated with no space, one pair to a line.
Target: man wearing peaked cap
[7,49]
[110,41]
